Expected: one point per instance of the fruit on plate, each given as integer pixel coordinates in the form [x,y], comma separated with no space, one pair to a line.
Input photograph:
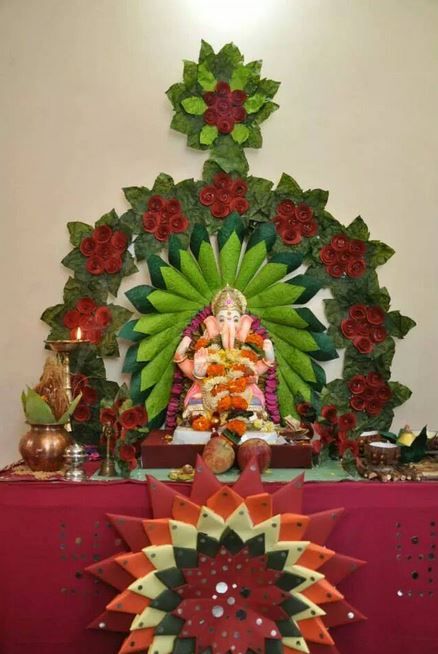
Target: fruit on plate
[257,448]
[218,454]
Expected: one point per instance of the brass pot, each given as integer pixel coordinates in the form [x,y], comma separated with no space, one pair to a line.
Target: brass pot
[43,447]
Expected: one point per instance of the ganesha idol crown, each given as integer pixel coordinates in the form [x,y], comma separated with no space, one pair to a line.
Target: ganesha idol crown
[230,299]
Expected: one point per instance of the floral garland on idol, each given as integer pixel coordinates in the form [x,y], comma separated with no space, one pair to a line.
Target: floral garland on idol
[231,227]
[226,569]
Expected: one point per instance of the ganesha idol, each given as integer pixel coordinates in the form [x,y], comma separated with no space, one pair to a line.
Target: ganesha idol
[225,365]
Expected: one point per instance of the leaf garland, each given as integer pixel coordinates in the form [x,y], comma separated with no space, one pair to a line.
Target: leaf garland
[222,99]
[295,227]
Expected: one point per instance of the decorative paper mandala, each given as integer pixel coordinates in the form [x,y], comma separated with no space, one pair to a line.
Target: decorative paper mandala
[226,570]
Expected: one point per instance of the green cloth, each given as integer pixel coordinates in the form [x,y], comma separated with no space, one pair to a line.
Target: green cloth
[329,471]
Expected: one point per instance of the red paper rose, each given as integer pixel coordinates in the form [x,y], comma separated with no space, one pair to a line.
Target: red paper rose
[220,210]
[356,268]
[223,88]
[358,312]
[357,403]
[375,315]
[87,246]
[207,195]
[71,319]
[239,188]
[286,208]
[328,255]
[85,305]
[89,395]
[129,418]
[82,413]
[374,407]
[210,116]
[107,416]
[95,265]
[162,233]
[239,204]
[304,213]
[113,264]
[150,222]
[225,125]
[347,422]
[335,270]
[104,250]
[127,452]
[339,242]
[348,328]
[223,180]
[363,344]
[290,235]
[378,334]
[178,223]
[344,254]
[103,317]
[238,97]
[293,223]
[119,241]
[142,416]
[357,384]
[78,383]
[102,234]
[329,413]
[374,380]
[156,203]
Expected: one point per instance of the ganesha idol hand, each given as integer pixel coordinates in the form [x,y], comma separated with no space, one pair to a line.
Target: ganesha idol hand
[200,363]
[268,349]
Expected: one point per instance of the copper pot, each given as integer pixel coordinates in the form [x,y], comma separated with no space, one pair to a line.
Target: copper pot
[43,447]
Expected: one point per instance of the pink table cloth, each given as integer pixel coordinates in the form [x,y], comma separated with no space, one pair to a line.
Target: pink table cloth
[51,531]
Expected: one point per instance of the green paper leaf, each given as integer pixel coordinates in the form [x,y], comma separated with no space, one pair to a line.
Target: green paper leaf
[158,399]
[206,52]
[111,218]
[397,324]
[268,87]
[358,229]
[400,393]
[165,302]
[190,73]
[175,93]
[206,79]
[240,133]
[379,253]
[264,113]
[239,78]
[78,231]
[194,105]
[277,268]
[254,103]
[289,186]
[76,262]
[182,122]
[208,134]
[153,371]
[255,139]
[163,185]
[150,346]
[229,156]
[138,197]
[155,323]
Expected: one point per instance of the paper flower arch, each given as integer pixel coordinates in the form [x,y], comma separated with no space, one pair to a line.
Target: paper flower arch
[219,106]
[226,570]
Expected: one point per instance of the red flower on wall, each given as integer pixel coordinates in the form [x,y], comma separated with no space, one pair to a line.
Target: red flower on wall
[369,393]
[225,195]
[81,384]
[344,256]
[224,107]
[164,217]
[89,317]
[364,327]
[294,222]
[104,250]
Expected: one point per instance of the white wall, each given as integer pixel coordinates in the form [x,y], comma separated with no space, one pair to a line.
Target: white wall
[83,113]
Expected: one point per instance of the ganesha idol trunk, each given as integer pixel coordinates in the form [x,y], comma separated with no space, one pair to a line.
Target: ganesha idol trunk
[158,451]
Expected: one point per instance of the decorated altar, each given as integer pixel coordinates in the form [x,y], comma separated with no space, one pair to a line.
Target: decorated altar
[226,377]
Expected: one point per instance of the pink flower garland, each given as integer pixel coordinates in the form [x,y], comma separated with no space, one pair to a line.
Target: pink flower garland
[178,378]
